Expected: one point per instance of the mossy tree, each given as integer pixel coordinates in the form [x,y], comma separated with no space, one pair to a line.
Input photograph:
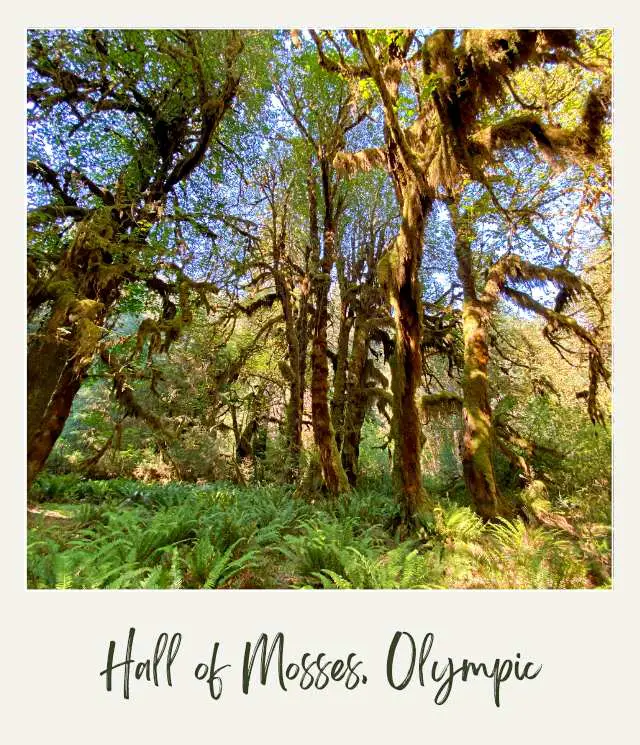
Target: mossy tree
[141,142]
[280,273]
[563,148]
[431,143]
[364,319]
[132,115]
[323,111]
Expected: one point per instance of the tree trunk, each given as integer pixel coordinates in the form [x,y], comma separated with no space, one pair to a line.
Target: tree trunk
[295,371]
[399,275]
[84,288]
[294,425]
[300,369]
[340,374]
[332,471]
[400,278]
[356,403]
[477,460]
[45,432]
[56,367]
[46,359]
[477,438]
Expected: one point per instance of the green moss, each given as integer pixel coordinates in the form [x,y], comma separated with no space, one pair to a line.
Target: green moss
[388,267]
[87,336]
[85,308]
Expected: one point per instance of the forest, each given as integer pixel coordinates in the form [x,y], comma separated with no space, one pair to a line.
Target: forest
[319,309]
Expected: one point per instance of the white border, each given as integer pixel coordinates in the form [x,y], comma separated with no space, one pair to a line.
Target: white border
[56,642]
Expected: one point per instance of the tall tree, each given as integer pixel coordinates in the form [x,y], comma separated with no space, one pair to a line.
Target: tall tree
[322,122]
[281,272]
[451,79]
[358,380]
[159,97]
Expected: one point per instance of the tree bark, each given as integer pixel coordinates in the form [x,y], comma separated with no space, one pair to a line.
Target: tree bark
[477,437]
[46,429]
[356,401]
[296,336]
[340,374]
[477,447]
[333,473]
[46,359]
[399,276]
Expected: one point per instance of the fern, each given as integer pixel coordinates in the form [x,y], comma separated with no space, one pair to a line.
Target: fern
[319,547]
[207,567]
[521,556]
[222,535]
[401,568]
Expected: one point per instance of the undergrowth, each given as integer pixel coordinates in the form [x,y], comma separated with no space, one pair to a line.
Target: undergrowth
[123,534]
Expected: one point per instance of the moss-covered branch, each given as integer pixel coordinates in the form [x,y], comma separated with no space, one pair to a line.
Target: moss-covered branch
[440,404]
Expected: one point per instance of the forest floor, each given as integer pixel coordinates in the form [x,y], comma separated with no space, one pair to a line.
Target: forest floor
[127,534]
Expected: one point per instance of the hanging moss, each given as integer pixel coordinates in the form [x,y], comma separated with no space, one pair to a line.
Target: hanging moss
[63,290]
[388,267]
[364,160]
[445,403]
[149,330]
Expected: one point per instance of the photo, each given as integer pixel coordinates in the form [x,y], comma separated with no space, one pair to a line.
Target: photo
[322,309]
